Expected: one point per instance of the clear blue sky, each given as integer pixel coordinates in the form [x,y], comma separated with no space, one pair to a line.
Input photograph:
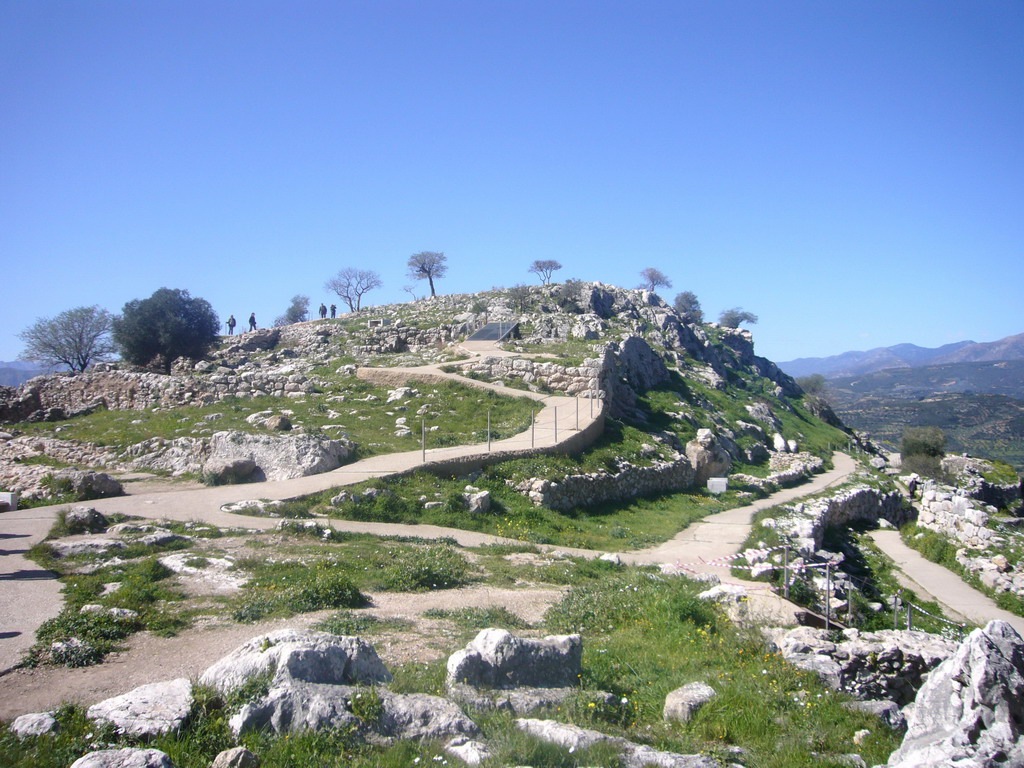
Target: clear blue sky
[852,172]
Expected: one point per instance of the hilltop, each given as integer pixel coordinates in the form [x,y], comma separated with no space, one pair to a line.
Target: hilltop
[655,374]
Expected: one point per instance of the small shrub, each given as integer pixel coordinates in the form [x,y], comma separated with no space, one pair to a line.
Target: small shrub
[438,567]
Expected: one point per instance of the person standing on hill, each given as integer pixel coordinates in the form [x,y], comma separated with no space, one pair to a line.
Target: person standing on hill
[231,325]
[334,311]
[252,322]
[323,311]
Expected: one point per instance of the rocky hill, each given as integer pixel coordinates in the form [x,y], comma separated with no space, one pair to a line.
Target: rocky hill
[274,393]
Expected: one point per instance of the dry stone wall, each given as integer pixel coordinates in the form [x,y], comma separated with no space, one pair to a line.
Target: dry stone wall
[805,523]
[595,487]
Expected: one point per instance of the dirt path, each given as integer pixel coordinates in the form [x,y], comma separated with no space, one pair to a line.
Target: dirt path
[148,658]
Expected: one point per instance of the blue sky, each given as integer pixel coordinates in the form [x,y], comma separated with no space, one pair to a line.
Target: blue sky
[852,172]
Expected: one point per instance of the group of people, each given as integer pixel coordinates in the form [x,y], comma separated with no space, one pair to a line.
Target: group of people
[231,323]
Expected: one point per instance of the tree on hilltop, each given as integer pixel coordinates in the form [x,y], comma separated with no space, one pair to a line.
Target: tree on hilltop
[352,284]
[427,265]
[652,279]
[687,305]
[76,338]
[731,318]
[544,268]
[168,325]
[519,297]
[297,312]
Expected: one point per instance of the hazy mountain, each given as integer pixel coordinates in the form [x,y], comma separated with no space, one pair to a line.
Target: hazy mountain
[1005,377]
[906,356]
[17,372]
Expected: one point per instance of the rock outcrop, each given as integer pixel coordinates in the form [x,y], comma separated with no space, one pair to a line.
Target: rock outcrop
[129,757]
[633,755]
[147,711]
[891,664]
[500,670]
[970,712]
[298,656]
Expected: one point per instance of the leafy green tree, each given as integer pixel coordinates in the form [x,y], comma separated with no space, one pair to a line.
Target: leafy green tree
[815,384]
[687,305]
[731,318]
[76,338]
[297,312]
[519,297]
[923,441]
[168,325]
[544,268]
[428,265]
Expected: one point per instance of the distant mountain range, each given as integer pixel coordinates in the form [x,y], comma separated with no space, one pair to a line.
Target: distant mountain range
[906,356]
[17,372]
[974,392]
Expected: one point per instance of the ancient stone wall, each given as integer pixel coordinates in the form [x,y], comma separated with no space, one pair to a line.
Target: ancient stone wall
[806,523]
[596,487]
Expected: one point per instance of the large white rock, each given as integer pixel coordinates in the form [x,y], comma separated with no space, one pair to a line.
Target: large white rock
[298,655]
[33,724]
[124,758]
[496,658]
[147,711]
[280,457]
[683,703]
[970,711]
[574,738]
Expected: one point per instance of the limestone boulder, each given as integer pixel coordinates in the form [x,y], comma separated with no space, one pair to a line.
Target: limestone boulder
[147,711]
[633,755]
[298,656]
[682,703]
[707,457]
[80,519]
[280,457]
[236,757]
[34,724]
[228,471]
[496,658]
[89,485]
[129,757]
[970,711]
[295,706]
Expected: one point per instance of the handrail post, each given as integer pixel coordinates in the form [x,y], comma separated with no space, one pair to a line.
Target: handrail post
[828,594]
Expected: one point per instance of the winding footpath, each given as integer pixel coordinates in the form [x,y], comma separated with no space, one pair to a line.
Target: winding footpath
[29,595]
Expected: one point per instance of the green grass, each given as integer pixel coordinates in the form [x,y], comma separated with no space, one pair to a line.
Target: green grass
[144,589]
[612,526]
[312,581]
[644,635]
[460,413]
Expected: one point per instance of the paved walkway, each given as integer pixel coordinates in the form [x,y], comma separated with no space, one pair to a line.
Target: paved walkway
[942,584]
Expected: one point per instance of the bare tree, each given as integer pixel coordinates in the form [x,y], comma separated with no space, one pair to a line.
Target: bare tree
[543,268]
[352,284]
[651,279]
[428,265]
[411,290]
[75,338]
[731,318]
[687,305]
